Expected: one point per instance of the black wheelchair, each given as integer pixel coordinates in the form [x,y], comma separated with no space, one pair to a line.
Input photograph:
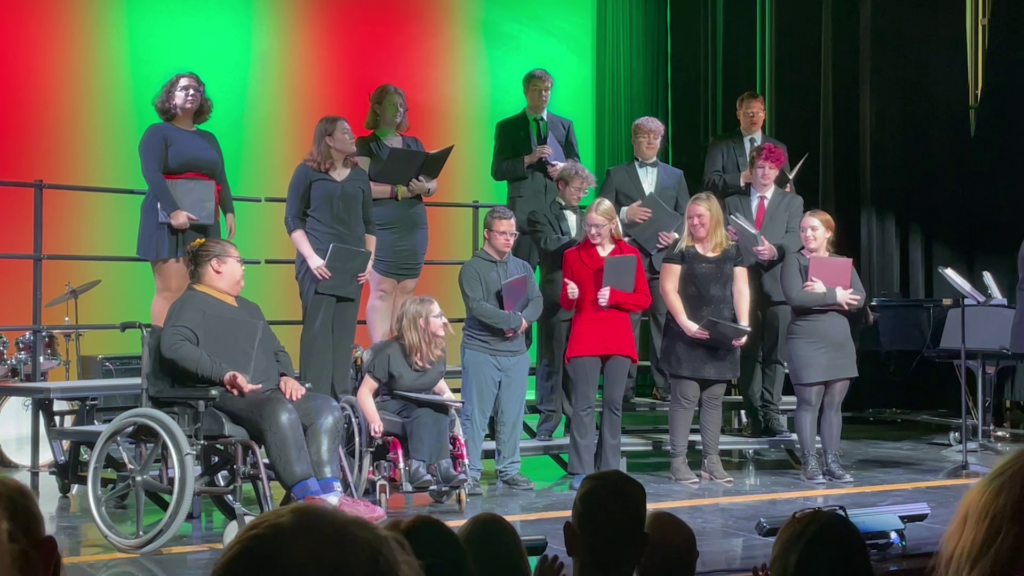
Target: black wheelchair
[381,462]
[148,454]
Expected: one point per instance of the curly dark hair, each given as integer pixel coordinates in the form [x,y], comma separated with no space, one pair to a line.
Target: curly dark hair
[164,101]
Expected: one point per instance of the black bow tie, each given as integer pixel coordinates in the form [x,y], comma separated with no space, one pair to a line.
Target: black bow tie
[651,164]
[573,209]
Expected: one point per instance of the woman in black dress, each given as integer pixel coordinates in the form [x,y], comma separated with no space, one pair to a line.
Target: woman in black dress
[328,203]
[398,212]
[702,277]
[414,360]
[175,149]
[822,358]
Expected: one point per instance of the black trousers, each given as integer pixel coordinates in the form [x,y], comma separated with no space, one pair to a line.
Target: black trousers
[553,383]
[762,359]
[426,429]
[328,333]
[686,392]
[587,453]
[657,314]
[301,438]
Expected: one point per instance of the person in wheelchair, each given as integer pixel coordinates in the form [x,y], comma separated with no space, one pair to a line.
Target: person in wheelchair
[300,430]
[413,360]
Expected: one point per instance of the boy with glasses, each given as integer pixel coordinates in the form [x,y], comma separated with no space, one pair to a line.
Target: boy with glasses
[495,362]
[726,163]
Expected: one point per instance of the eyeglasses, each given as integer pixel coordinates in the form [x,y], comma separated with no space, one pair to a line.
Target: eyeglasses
[186,89]
[504,235]
[239,259]
[834,508]
[438,316]
[579,189]
[596,227]
[754,114]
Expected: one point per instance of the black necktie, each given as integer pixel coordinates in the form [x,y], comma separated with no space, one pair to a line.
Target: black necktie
[651,164]
[542,138]
[753,143]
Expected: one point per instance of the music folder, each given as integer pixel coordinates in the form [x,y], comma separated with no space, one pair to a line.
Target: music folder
[344,263]
[403,165]
[723,333]
[514,293]
[662,219]
[620,272]
[785,177]
[429,398]
[195,196]
[833,272]
[747,235]
[234,342]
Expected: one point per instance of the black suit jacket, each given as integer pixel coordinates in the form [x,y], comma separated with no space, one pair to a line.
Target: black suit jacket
[622,187]
[1017,329]
[781,227]
[511,143]
[726,159]
[550,232]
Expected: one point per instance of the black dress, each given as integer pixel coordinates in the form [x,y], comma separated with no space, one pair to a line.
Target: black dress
[330,212]
[167,149]
[705,286]
[401,224]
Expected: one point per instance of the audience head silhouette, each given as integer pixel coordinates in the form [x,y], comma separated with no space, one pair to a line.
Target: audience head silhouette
[304,539]
[606,534]
[435,545]
[672,547]
[29,550]
[820,542]
[494,546]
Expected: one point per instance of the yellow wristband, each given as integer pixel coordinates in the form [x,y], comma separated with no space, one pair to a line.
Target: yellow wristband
[398,192]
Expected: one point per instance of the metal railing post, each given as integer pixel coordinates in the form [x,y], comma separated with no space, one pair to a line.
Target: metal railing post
[37,320]
[476,225]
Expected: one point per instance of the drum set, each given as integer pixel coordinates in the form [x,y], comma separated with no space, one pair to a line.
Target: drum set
[16,366]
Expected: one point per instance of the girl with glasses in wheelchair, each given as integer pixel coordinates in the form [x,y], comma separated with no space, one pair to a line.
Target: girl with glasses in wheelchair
[413,360]
[210,332]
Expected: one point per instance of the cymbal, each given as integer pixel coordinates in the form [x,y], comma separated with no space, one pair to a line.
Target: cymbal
[73,293]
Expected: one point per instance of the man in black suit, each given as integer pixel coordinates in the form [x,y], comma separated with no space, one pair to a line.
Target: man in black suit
[554,230]
[529,149]
[1017,328]
[725,166]
[776,214]
[626,186]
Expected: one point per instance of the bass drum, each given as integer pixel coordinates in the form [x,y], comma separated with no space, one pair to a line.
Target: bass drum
[15,435]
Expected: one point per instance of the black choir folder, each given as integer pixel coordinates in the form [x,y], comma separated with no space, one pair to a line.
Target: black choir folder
[345,264]
[514,293]
[785,177]
[197,197]
[722,333]
[747,236]
[662,219]
[232,341]
[620,272]
[403,165]
[428,398]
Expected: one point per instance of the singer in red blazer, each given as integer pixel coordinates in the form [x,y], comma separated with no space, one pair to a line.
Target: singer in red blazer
[601,340]
[597,330]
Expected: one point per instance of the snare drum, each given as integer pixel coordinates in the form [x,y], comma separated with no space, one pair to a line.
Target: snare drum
[49,356]
[15,432]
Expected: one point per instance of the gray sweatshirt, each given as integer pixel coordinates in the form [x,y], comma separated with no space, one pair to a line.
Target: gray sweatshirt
[480,280]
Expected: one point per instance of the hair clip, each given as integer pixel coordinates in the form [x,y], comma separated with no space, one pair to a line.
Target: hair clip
[199,242]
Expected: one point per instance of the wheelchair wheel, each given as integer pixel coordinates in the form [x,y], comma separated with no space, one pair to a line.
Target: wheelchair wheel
[461,496]
[157,458]
[355,450]
[383,494]
[226,504]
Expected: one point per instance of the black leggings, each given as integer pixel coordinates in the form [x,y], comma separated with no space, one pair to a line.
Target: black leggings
[685,394]
[587,453]
[426,429]
[301,438]
[827,397]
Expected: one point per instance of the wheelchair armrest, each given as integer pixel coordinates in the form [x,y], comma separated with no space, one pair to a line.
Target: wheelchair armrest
[186,394]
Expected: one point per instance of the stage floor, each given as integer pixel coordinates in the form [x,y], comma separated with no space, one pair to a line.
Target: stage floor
[892,464]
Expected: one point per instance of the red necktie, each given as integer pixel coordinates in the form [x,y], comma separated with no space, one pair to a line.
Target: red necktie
[759,217]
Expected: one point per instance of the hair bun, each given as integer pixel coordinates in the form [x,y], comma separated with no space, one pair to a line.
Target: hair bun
[194,246]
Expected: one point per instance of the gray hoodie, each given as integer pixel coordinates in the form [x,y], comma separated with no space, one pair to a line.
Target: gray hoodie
[480,280]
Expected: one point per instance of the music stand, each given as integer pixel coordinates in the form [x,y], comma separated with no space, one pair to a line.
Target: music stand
[982,341]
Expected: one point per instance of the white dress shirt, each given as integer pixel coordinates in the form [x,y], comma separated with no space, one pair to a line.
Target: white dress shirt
[758,138]
[570,218]
[648,181]
[755,200]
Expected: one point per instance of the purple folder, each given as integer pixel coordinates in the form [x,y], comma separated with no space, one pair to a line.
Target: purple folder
[833,272]
[515,293]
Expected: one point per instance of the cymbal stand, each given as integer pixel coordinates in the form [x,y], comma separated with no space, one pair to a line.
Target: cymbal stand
[78,338]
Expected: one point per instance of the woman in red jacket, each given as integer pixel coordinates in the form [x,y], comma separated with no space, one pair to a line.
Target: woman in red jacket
[601,338]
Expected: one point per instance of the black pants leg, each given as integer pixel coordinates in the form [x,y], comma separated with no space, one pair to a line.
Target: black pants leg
[751,375]
[553,383]
[609,447]
[773,358]
[426,429]
[658,314]
[328,332]
[586,376]
[301,438]
[685,395]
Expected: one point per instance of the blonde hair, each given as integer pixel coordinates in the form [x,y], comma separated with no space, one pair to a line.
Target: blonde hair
[716,227]
[648,125]
[985,535]
[603,208]
[377,99]
[421,345]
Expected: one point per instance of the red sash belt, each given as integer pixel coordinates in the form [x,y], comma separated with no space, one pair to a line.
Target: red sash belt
[199,176]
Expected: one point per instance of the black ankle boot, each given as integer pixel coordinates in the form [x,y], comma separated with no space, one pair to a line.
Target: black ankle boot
[419,477]
[811,468]
[444,474]
[834,468]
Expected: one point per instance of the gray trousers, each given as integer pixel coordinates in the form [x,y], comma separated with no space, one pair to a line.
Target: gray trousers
[683,401]
[494,384]
[587,454]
